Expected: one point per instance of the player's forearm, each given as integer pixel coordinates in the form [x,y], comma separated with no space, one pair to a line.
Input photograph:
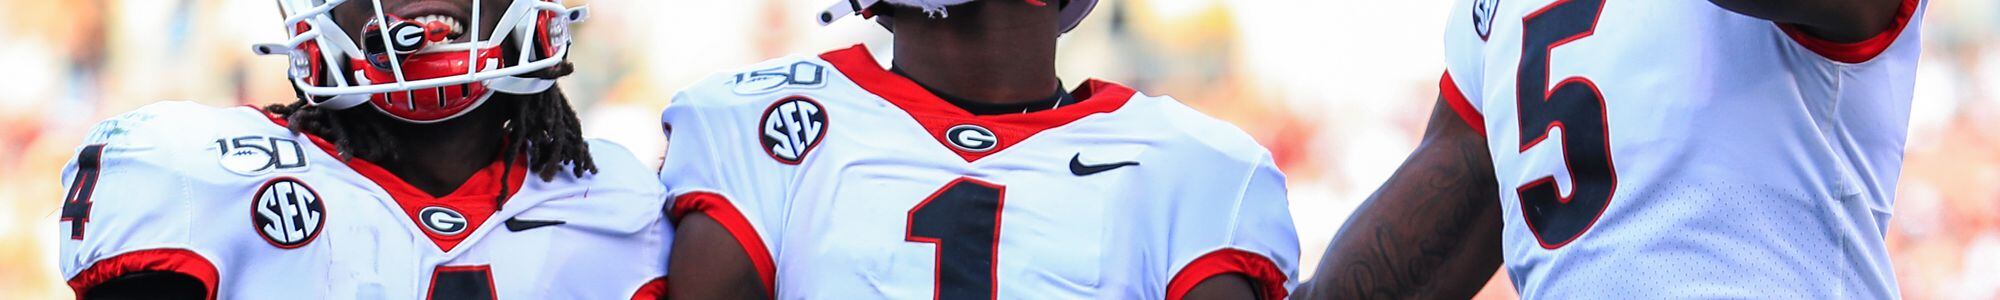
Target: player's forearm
[1835,20]
[147,285]
[1231,286]
[1431,231]
[707,263]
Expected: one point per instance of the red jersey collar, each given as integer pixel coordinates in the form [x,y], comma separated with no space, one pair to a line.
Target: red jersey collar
[938,117]
[476,199]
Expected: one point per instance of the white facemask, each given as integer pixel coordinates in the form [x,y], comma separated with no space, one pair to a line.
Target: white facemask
[1073,11]
[933,7]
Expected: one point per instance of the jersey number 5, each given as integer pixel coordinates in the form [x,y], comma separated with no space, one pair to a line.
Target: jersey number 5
[1575,106]
[963,220]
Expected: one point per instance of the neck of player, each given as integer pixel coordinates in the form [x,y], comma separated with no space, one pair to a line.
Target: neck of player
[994,52]
[439,157]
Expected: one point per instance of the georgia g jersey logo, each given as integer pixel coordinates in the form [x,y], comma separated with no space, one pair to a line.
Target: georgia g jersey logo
[791,128]
[972,138]
[287,213]
[442,221]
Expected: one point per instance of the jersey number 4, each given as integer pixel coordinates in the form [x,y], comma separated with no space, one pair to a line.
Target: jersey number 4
[76,204]
[963,220]
[462,283]
[1577,107]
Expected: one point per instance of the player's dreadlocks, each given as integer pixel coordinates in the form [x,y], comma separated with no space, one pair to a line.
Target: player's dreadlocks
[544,128]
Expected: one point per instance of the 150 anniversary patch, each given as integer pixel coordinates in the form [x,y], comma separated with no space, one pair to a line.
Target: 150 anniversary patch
[259,155]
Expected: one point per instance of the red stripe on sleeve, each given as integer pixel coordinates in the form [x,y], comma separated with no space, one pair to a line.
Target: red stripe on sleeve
[1449,90]
[1261,271]
[151,260]
[717,207]
[1855,52]
[655,289]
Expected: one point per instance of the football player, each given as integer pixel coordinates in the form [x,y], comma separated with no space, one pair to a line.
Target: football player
[1607,149]
[429,156]
[963,169]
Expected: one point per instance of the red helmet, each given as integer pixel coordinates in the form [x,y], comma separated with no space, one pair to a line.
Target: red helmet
[1073,11]
[407,66]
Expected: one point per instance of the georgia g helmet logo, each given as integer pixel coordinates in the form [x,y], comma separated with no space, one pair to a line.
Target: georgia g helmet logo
[287,213]
[413,70]
[792,128]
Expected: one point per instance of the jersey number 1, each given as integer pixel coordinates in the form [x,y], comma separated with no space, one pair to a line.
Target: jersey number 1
[1575,106]
[963,220]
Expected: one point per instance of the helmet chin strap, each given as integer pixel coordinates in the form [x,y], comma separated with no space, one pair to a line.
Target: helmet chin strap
[843,9]
[344,101]
[520,85]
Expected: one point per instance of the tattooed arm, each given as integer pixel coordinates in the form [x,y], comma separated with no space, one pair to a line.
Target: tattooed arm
[1431,232]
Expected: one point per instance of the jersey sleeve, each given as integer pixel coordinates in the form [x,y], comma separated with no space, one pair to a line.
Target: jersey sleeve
[127,210]
[1259,242]
[1465,42]
[713,166]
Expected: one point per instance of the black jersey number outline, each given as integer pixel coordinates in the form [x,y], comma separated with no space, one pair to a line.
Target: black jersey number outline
[1576,106]
[76,203]
[963,220]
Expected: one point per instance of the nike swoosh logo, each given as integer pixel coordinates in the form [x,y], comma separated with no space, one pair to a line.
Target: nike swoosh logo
[519,225]
[1077,167]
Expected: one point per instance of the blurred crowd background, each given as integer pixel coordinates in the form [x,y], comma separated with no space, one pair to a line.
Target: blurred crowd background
[1338,90]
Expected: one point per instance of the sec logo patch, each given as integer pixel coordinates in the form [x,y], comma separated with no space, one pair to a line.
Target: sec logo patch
[792,128]
[287,213]
[1482,16]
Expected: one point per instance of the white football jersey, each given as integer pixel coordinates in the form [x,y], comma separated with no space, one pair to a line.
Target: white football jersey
[1675,149]
[231,197]
[846,181]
